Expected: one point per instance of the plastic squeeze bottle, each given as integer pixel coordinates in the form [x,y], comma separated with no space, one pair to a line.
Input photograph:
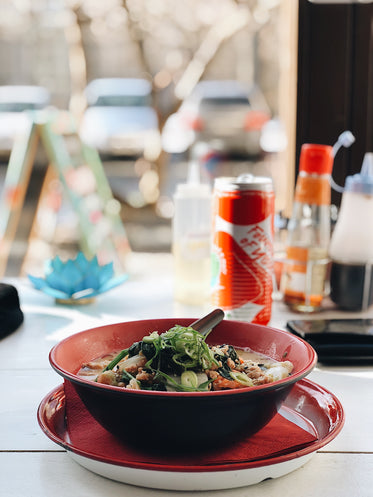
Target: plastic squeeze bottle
[191,239]
[351,246]
[308,237]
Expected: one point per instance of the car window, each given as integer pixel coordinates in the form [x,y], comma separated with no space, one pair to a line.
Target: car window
[123,101]
[19,106]
[212,101]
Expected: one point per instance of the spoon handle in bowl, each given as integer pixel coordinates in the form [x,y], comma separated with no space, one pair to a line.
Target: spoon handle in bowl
[204,325]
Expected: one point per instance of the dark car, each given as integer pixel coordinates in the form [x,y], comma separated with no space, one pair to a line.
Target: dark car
[225,112]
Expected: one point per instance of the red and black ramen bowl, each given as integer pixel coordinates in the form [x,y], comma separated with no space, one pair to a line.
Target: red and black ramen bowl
[181,421]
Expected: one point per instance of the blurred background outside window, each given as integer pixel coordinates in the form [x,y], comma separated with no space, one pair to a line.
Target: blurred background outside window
[151,84]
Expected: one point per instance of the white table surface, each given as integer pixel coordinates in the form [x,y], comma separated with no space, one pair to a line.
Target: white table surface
[32,465]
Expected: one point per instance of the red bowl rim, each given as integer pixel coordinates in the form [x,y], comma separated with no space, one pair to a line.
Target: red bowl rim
[293,378]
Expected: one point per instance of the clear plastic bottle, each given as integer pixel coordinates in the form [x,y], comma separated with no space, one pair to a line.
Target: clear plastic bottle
[191,244]
[351,246]
[308,238]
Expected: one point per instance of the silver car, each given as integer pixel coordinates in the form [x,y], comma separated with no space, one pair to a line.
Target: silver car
[15,101]
[120,119]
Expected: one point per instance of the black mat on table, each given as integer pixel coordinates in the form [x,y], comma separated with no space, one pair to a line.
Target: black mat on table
[11,315]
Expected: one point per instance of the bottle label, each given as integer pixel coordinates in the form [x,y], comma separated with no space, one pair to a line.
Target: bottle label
[312,189]
[305,273]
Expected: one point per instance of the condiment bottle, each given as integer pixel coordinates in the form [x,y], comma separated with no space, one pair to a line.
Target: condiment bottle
[191,239]
[351,246]
[309,231]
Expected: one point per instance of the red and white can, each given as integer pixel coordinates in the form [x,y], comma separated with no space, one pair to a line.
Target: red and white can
[242,247]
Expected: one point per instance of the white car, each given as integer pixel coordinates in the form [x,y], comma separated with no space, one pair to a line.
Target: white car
[15,103]
[120,119]
[223,112]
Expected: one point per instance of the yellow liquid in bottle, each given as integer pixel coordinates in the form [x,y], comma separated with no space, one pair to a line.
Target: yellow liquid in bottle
[304,278]
[192,270]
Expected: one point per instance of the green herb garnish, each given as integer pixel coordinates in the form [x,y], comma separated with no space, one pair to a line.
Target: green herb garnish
[122,354]
[178,350]
[182,349]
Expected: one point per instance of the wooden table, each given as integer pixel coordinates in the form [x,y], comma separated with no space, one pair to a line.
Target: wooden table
[32,465]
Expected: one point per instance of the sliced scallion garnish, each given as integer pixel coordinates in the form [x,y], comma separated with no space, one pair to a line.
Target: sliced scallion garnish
[122,354]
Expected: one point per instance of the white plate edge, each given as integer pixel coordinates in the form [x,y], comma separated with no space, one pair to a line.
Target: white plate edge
[190,480]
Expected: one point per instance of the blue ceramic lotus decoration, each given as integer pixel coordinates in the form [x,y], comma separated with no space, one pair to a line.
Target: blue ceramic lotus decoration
[77,280]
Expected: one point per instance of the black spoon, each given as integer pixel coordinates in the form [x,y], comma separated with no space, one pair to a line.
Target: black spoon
[204,325]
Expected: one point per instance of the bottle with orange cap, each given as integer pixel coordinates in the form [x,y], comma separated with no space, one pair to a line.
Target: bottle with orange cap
[308,237]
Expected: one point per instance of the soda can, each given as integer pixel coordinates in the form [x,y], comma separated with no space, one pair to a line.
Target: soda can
[242,247]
